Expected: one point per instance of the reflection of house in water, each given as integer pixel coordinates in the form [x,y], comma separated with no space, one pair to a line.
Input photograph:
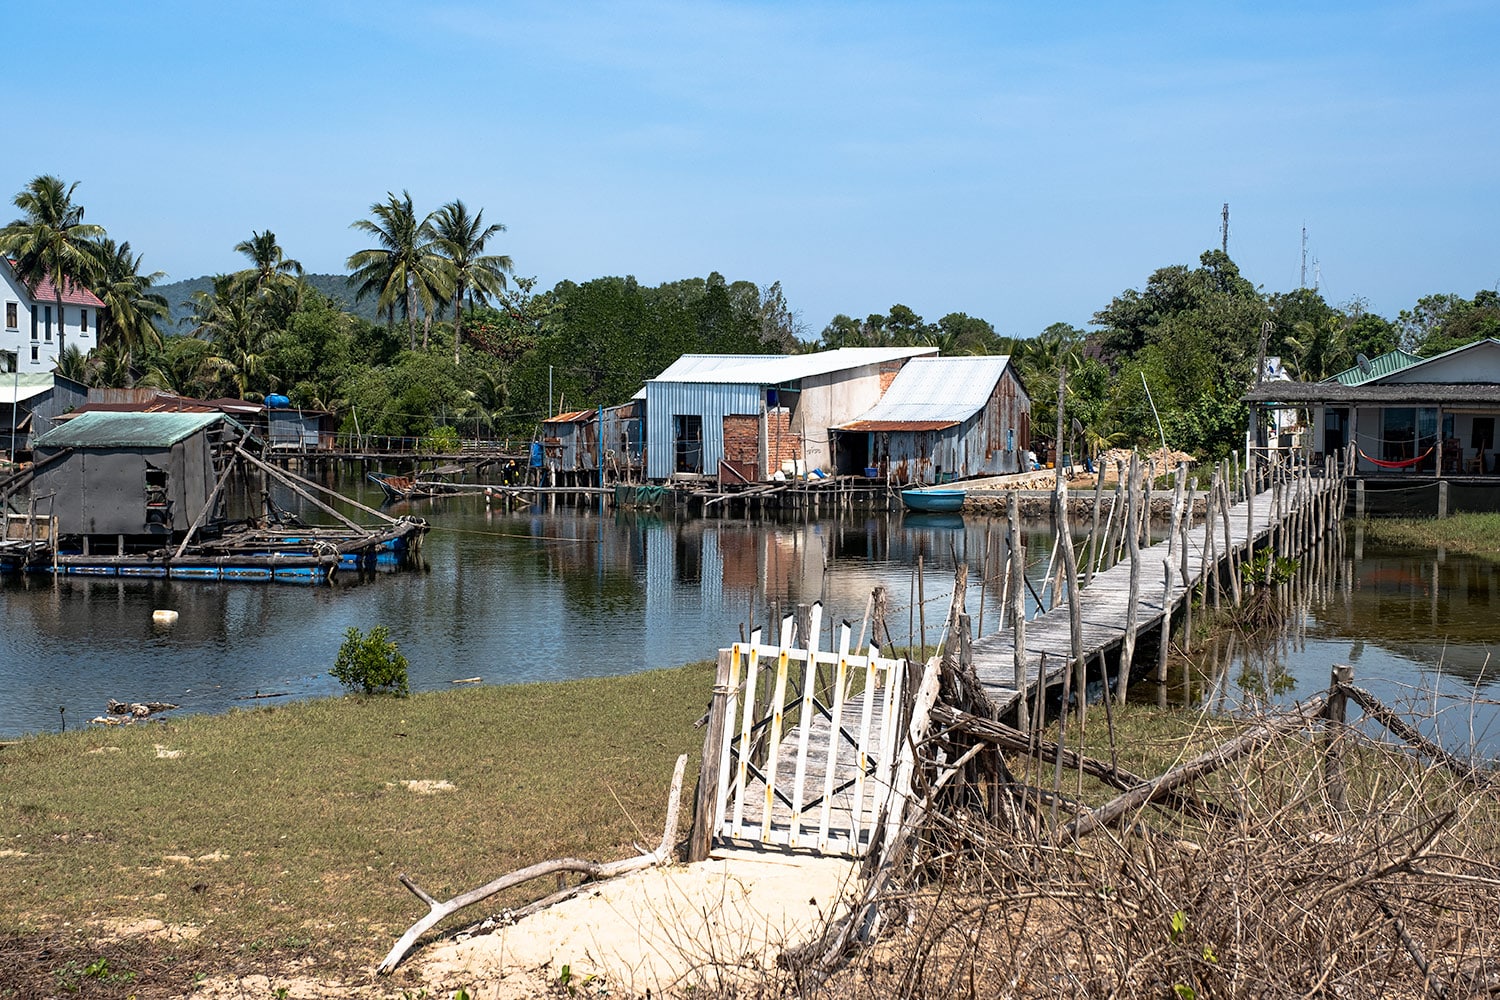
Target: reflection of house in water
[1439,613]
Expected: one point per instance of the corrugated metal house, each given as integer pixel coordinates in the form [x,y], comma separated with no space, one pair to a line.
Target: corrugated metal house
[745,417]
[128,474]
[291,429]
[571,443]
[942,419]
[31,402]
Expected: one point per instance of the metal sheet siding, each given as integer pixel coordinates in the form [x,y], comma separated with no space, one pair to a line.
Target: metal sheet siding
[712,402]
[976,447]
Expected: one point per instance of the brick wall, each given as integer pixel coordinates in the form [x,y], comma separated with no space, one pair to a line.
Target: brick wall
[781,444]
[742,444]
[888,373]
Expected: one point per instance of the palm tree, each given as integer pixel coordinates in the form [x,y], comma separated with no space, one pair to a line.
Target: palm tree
[51,241]
[131,308]
[460,237]
[405,267]
[236,326]
[270,268]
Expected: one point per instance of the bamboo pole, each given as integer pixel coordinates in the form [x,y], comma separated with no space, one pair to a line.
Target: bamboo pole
[1169,564]
[1231,552]
[1075,619]
[290,482]
[1094,527]
[1018,607]
[213,498]
[1127,648]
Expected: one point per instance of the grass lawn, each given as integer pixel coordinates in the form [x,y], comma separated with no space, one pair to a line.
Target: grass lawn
[268,836]
[1473,534]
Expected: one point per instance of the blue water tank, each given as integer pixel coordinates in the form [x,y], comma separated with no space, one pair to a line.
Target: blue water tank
[276,401]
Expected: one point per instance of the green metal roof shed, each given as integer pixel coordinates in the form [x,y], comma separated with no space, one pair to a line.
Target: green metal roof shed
[126,430]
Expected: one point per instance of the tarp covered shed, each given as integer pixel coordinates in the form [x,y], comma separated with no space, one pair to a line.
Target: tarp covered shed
[942,419]
[128,474]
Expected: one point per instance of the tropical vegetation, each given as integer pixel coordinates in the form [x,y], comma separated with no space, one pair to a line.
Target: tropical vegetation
[481,351]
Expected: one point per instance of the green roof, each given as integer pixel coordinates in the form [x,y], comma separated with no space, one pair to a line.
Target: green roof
[126,430]
[1385,364]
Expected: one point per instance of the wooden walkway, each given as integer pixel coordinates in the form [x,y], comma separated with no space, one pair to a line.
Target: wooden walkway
[1104,603]
[805,748]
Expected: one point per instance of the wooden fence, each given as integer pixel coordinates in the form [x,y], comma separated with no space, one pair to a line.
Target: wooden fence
[802,744]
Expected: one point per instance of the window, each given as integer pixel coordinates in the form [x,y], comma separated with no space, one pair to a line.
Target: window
[34,356]
[11,319]
[33,324]
[83,321]
[1482,436]
[49,322]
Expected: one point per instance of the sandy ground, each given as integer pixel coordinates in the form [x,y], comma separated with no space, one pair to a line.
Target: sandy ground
[663,930]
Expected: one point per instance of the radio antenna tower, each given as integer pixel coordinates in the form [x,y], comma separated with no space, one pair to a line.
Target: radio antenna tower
[1224,230]
[1302,283]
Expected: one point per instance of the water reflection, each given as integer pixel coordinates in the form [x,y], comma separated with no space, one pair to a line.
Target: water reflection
[551,592]
[1418,626]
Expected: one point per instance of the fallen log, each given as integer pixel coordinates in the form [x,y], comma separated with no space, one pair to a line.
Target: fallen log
[1467,771]
[591,870]
[1300,715]
[1012,739]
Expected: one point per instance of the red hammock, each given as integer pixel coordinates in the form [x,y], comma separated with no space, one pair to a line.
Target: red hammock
[1395,465]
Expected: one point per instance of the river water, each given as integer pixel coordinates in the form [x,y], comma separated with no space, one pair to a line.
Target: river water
[547,594]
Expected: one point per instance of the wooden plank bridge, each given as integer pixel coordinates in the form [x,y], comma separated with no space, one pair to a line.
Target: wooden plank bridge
[1217,543]
[813,750]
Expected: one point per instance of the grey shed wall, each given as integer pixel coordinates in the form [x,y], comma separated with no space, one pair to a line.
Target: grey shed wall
[102,491]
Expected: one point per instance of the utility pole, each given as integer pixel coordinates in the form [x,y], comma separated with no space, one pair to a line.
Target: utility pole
[1224,230]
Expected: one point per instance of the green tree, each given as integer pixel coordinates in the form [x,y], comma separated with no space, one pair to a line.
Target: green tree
[404,267]
[461,239]
[1439,323]
[132,311]
[50,241]
[270,271]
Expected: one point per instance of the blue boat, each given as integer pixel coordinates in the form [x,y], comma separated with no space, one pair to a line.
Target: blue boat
[933,501]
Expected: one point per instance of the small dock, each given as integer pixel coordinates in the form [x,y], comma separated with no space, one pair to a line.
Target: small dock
[808,749]
[1285,509]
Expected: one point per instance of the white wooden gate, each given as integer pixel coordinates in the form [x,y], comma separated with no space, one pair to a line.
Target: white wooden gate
[809,763]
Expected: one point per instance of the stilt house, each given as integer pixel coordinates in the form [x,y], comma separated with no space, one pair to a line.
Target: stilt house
[1405,415]
[942,419]
[744,418]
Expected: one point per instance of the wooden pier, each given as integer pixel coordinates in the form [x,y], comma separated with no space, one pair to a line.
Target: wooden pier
[1285,508]
[814,749]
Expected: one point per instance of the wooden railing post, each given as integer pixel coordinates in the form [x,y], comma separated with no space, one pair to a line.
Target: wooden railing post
[1333,743]
[707,796]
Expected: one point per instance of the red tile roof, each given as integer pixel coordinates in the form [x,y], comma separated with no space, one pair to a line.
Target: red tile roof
[73,295]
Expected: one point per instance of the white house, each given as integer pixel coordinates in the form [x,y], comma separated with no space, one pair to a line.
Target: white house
[32,332]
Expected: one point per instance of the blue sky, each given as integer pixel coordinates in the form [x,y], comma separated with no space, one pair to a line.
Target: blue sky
[1004,160]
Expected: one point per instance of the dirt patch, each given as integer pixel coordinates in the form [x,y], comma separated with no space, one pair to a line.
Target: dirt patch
[112,929]
[667,930]
[426,786]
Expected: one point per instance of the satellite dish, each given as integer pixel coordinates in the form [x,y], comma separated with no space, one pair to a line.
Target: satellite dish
[1363,362]
[1077,426]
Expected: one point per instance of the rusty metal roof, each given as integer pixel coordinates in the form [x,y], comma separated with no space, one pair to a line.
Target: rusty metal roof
[934,393]
[571,417]
[897,425]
